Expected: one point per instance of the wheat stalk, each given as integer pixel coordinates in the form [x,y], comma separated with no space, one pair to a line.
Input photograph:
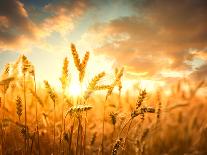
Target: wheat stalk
[118,76]
[5,83]
[25,68]
[53,96]
[32,73]
[64,79]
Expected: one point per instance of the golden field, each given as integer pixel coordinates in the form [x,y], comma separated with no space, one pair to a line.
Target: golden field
[102,119]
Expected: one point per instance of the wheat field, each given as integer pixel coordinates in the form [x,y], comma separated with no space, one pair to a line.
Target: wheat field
[102,120]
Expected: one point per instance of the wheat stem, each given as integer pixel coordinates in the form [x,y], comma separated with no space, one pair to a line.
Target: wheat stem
[36,113]
[103,127]
[25,115]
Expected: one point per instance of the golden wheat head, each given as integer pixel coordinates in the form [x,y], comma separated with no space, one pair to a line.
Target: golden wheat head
[64,79]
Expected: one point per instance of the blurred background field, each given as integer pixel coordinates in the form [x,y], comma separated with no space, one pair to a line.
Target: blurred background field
[167,120]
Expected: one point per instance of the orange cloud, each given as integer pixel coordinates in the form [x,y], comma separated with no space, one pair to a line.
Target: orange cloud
[15,23]
[18,30]
[159,36]
[65,16]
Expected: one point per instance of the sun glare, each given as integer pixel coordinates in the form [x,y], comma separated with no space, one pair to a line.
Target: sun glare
[150,85]
[74,89]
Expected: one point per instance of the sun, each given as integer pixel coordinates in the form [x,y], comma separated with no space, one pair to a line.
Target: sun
[151,85]
[74,89]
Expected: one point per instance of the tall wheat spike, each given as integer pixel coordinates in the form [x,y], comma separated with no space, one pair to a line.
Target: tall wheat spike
[64,79]
[76,57]
[81,66]
[50,91]
[19,106]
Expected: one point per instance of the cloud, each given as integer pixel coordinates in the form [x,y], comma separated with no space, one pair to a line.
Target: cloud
[200,73]
[18,30]
[64,15]
[159,36]
[15,24]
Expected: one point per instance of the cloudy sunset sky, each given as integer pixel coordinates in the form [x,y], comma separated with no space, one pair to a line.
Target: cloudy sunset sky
[155,40]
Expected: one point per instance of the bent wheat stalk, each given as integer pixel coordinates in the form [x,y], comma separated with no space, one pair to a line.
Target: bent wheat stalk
[118,76]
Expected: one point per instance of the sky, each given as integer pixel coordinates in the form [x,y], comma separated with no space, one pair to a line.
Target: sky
[156,41]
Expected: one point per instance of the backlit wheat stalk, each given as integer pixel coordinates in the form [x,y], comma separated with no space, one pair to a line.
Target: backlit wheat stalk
[117,82]
[25,68]
[64,79]
[53,96]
